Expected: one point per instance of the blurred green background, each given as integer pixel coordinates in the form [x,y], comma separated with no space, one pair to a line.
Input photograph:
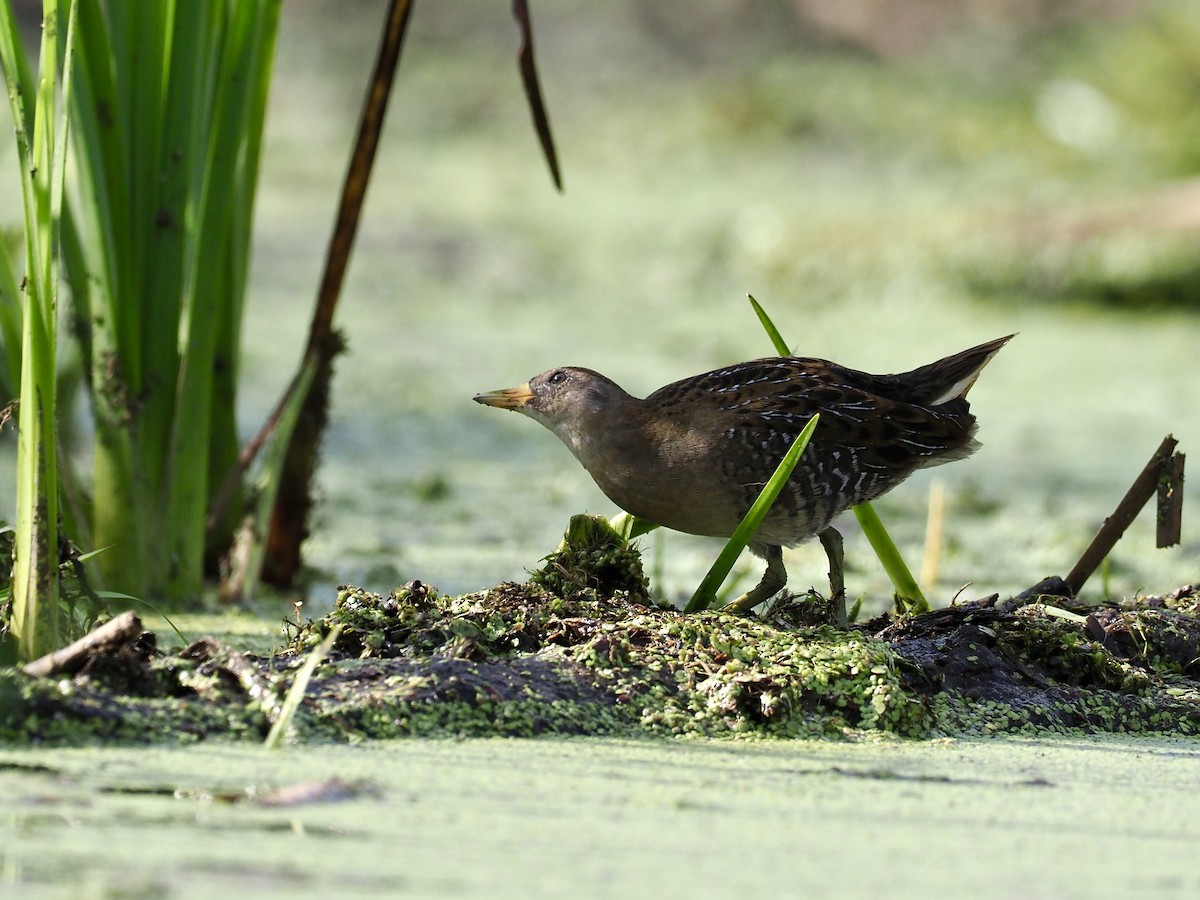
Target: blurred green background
[894,179]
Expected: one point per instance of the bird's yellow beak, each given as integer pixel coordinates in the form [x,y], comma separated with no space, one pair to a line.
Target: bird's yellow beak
[509,398]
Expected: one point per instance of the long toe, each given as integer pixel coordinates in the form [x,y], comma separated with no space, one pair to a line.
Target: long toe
[773,581]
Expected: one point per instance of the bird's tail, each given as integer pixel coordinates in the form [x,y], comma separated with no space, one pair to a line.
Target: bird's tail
[950,378]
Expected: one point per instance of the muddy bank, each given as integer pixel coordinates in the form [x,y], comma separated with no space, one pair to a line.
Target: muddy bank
[580,650]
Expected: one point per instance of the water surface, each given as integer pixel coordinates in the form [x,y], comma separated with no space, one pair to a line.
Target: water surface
[999,818]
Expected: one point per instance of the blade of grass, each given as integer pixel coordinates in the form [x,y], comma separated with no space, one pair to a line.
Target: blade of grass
[296,693]
[177,144]
[777,340]
[117,595]
[630,527]
[908,593]
[225,438]
[706,594]
[186,473]
[10,329]
[99,254]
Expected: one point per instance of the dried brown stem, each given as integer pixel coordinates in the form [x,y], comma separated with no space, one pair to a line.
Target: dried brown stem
[71,658]
[293,504]
[1165,465]
[533,89]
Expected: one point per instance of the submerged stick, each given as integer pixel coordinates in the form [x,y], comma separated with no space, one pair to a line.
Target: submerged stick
[1162,474]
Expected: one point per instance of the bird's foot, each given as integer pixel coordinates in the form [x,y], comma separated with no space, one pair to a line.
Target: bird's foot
[773,580]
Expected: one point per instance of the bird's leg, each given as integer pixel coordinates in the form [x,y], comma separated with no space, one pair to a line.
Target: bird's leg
[831,540]
[773,580]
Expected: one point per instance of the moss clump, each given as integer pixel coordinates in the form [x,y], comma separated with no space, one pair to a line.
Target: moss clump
[593,560]
[1058,665]
[715,673]
[517,659]
[1065,653]
[187,697]
[1161,635]
[416,621]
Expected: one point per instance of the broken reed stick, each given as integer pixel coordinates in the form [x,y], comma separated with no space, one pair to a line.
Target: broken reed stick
[1162,474]
[71,658]
[1170,503]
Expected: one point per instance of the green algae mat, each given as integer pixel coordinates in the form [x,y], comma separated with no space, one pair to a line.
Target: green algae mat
[1086,817]
[581,651]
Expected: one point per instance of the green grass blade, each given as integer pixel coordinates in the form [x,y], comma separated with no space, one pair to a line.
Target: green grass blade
[117,595]
[207,272]
[630,527]
[296,693]
[104,218]
[706,594]
[908,593]
[20,84]
[35,616]
[781,346]
[23,100]
[224,439]
[99,253]
[174,47]
[10,328]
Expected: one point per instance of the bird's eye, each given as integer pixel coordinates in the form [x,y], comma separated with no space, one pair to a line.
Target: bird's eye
[558,377]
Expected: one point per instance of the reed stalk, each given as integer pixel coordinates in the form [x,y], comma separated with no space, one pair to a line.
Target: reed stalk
[169,110]
[41,132]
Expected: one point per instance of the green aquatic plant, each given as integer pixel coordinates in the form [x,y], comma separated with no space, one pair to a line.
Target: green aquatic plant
[41,130]
[291,703]
[168,114]
[164,104]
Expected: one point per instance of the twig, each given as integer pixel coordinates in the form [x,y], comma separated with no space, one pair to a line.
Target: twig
[72,657]
[1165,466]
[293,503]
[1170,503]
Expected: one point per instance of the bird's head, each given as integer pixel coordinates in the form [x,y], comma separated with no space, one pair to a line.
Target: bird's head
[578,405]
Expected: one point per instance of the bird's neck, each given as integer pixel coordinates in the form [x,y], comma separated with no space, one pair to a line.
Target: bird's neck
[613,436]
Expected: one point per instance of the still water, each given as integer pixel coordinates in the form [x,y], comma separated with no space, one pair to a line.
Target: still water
[600,818]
